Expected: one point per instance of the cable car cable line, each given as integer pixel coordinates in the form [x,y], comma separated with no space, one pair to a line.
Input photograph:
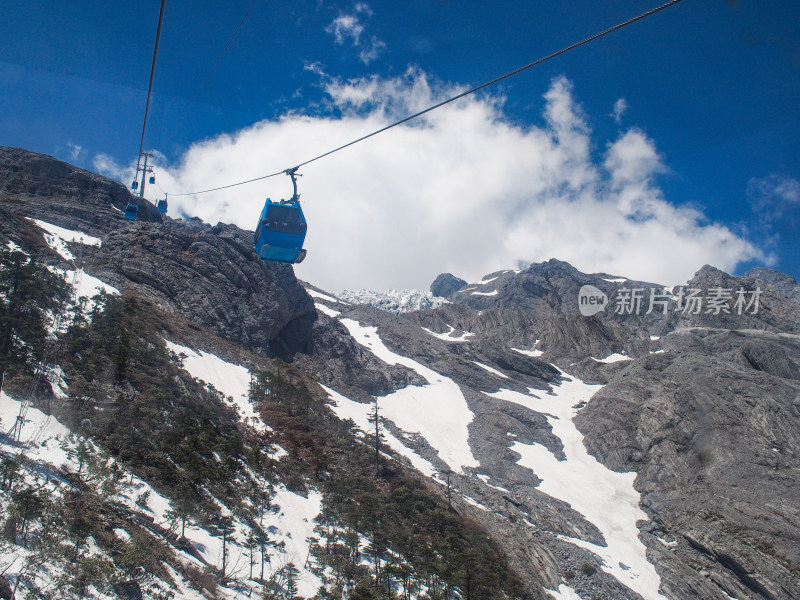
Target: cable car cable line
[210,73]
[132,209]
[152,73]
[449,100]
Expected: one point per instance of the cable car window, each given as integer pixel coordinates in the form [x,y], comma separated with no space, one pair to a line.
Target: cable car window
[284,219]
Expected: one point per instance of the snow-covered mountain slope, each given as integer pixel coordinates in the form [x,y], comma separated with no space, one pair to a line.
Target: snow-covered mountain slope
[439,414]
[52,458]
[215,411]
[611,512]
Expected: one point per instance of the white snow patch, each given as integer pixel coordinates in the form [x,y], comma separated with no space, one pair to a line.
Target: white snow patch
[564,592]
[58,238]
[532,353]
[321,296]
[448,337]
[612,358]
[359,413]
[668,544]
[437,411]
[14,248]
[491,370]
[230,379]
[655,338]
[657,351]
[184,592]
[87,286]
[279,452]
[325,310]
[616,280]
[295,522]
[485,281]
[475,503]
[492,293]
[604,497]
[485,479]
[54,439]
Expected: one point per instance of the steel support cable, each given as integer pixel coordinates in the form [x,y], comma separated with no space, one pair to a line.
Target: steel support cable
[211,73]
[516,71]
[152,74]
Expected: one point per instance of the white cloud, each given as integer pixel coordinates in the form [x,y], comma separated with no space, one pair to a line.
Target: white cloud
[461,190]
[620,108]
[75,151]
[371,50]
[772,196]
[348,27]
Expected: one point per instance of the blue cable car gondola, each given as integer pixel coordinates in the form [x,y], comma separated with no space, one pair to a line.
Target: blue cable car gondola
[281,229]
[131,211]
[161,205]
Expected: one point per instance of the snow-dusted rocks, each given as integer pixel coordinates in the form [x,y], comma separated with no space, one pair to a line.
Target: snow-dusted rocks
[394,300]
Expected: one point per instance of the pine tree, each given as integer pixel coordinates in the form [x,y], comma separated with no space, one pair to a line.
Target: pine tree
[375,420]
[28,290]
[26,505]
[226,528]
[291,580]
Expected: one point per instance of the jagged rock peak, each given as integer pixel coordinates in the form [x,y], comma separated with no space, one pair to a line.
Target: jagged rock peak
[710,276]
[447,284]
[780,281]
[553,265]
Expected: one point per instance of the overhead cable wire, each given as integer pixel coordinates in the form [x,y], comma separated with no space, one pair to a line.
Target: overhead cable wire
[516,71]
[152,74]
[211,72]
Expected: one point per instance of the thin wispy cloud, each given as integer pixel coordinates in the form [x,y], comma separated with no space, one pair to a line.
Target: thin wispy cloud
[773,196]
[462,189]
[347,27]
[620,108]
[344,28]
[76,152]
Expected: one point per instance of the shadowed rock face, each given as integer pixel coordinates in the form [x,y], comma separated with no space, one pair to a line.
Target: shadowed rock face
[209,274]
[446,284]
[59,191]
[212,276]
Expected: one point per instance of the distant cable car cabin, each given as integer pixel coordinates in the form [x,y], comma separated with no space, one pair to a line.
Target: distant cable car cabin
[135,185]
[131,211]
[281,229]
[161,205]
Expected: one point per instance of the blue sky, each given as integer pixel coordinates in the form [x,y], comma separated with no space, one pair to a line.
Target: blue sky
[666,145]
